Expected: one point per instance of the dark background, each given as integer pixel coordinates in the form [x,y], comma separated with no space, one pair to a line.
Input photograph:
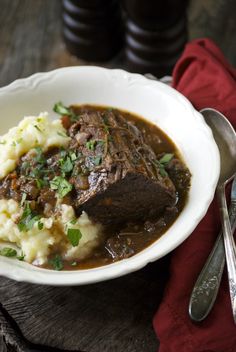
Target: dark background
[30,34]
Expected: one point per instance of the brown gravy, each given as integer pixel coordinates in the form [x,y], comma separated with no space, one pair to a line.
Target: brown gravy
[140,236]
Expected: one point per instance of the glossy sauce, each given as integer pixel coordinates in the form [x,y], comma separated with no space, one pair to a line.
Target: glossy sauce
[137,234]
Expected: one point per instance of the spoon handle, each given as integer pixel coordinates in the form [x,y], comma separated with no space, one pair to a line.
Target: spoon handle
[208,282]
[230,249]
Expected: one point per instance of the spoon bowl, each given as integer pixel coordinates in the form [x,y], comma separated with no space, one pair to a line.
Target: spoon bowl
[225,138]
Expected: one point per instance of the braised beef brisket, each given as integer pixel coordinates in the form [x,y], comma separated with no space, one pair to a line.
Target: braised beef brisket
[124,180]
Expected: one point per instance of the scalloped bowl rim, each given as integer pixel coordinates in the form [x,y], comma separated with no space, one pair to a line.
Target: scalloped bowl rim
[22,271]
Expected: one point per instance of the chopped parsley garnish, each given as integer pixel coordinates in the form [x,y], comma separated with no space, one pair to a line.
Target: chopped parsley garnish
[73,156]
[62,134]
[19,140]
[162,170]
[40,225]
[39,157]
[21,256]
[74,236]
[13,144]
[28,218]
[165,159]
[40,183]
[66,165]
[60,109]
[56,262]
[36,172]
[3,142]
[105,119]
[63,153]
[106,123]
[37,128]
[61,185]
[91,145]
[24,166]
[8,252]
[23,198]
[96,160]
[101,142]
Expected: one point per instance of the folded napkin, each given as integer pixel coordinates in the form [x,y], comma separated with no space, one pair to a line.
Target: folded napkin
[204,76]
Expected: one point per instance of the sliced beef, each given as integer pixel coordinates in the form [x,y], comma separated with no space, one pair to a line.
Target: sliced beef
[124,181]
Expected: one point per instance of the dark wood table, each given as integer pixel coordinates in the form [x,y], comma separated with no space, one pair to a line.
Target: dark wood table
[110,316]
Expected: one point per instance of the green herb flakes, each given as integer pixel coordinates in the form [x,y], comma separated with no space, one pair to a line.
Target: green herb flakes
[60,109]
[163,171]
[19,140]
[66,165]
[8,252]
[106,128]
[21,257]
[63,153]
[56,262]
[61,134]
[166,158]
[40,225]
[37,128]
[91,145]
[73,156]
[96,160]
[73,263]
[23,198]
[161,164]
[39,157]
[101,142]
[61,185]
[74,236]
[24,166]
[3,142]
[40,183]
[28,218]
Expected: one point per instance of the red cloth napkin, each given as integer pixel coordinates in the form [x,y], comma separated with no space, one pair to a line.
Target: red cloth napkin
[204,76]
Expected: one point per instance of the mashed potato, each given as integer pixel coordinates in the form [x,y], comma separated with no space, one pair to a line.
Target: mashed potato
[37,245]
[32,131]
[49,237]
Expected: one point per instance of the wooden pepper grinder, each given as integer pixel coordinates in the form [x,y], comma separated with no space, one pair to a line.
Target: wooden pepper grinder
[92,29]
[155,35]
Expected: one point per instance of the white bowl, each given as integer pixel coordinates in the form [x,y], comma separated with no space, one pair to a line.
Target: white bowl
[153,100]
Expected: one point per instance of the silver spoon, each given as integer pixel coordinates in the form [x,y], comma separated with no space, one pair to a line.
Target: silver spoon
[225,138]
[208,282]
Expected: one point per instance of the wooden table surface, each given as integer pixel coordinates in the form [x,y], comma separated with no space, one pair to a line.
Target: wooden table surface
[111,316]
